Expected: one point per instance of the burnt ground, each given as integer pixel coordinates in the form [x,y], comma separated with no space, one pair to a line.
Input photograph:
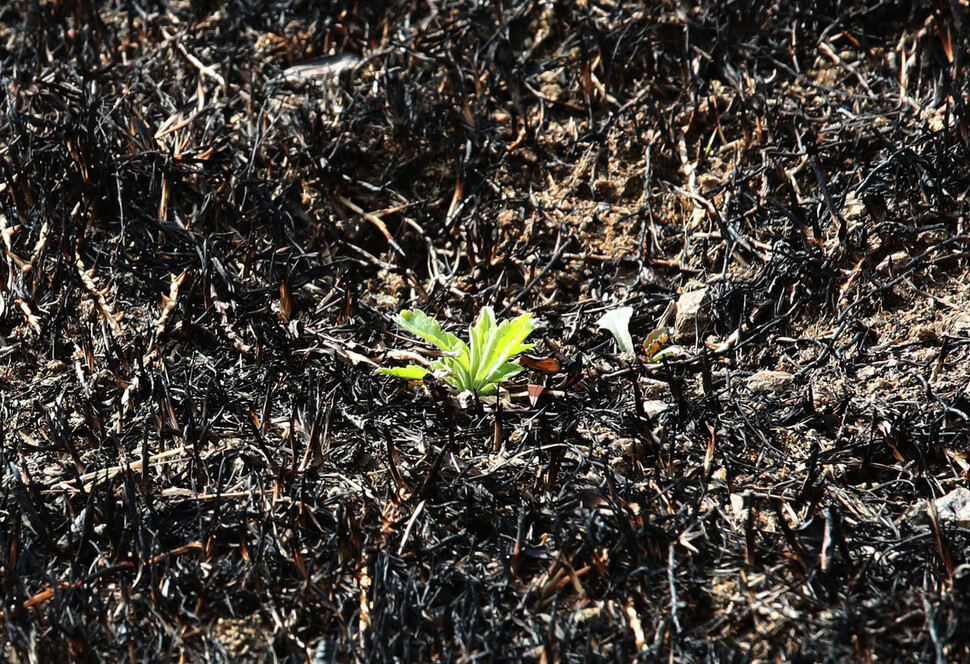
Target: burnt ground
[212,212]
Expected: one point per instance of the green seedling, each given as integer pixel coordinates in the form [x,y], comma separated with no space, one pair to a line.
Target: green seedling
[479,366]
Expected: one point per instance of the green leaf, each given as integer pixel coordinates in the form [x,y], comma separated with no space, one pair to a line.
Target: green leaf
[410,372]
[505,372]
[478,336]
[503,343]
[454,372]
[419,324]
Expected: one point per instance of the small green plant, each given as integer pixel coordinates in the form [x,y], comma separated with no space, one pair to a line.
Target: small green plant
[477,367]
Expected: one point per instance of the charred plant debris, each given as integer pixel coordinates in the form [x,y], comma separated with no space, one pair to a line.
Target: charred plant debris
[210,213]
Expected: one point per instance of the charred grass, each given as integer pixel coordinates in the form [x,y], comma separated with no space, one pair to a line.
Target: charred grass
[211,212]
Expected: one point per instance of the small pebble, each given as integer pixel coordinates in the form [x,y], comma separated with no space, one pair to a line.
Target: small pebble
[769,381]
